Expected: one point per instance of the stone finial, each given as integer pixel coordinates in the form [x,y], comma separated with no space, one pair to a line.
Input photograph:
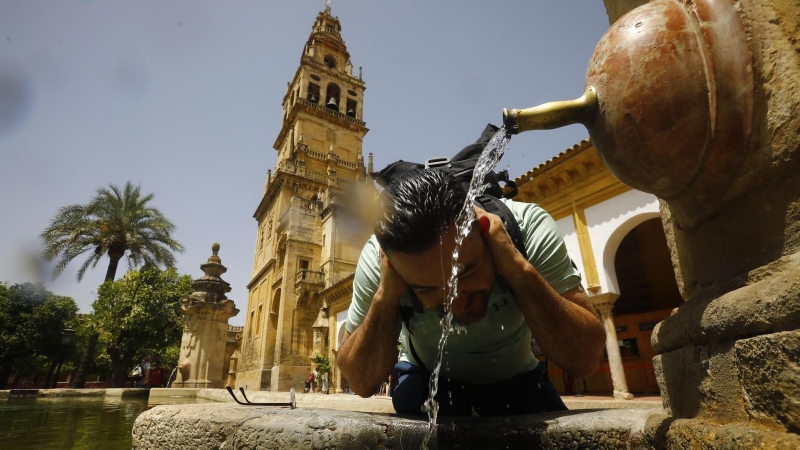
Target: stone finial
[210,288]
[214,258]
[369,167]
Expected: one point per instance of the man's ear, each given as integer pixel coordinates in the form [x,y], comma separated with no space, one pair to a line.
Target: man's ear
[388,260]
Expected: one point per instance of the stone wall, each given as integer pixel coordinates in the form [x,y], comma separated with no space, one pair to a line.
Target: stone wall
[730,352]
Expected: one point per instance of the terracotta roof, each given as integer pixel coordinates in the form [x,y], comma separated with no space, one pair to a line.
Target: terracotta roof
[339,283]
[524,178]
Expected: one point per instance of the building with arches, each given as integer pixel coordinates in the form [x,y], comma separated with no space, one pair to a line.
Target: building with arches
[614,236]
[307,248]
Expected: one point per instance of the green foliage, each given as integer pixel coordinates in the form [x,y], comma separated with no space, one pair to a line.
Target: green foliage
[322,362]
[31,322]
[114,222]
[100,362]
[135,316]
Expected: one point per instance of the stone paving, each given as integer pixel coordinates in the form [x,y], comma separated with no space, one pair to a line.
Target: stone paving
[382,404]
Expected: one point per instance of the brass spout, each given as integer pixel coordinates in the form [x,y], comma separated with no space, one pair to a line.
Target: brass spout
[552,115]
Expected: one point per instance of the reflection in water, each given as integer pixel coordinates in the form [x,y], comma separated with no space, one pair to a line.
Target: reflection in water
[66,423]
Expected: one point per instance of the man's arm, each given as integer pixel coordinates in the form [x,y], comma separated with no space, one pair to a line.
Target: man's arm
[565,326]
[368,354]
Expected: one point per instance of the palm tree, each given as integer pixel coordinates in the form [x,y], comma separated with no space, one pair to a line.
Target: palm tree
[116,223]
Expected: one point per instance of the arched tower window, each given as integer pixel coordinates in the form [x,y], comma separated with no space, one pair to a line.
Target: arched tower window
[313,93]
[332,97]
[275,305]
[281,250]
[330,61]
[351,107]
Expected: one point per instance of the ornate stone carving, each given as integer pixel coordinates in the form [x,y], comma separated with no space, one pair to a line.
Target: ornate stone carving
[205,313]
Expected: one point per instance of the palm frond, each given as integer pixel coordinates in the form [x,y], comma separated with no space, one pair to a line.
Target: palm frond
[118,220]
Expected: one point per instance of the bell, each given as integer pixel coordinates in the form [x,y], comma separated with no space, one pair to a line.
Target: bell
[351,113]
[312,98]
[333,103]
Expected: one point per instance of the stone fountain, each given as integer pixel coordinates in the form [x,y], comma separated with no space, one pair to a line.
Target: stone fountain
[697,102]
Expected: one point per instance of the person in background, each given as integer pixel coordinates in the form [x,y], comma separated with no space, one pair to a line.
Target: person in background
[312,380]
[325,383]
[156,376]
[147,366]
[142,382]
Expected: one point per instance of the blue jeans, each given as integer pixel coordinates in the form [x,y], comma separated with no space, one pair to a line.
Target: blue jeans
[527,393]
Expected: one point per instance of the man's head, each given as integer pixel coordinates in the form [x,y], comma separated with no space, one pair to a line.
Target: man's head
[417,232]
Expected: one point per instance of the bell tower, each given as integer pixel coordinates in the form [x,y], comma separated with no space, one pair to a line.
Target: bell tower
[323,105]
[300,247]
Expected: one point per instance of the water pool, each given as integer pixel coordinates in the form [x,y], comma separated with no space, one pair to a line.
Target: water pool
[77,422]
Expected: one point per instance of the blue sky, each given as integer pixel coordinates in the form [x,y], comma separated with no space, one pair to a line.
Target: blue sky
[184,98]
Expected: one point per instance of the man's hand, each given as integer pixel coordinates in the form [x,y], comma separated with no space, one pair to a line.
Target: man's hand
[508,261]
[366,356]
[547,312]
[392,284]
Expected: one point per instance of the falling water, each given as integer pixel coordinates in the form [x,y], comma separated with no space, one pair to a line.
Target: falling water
[491,155]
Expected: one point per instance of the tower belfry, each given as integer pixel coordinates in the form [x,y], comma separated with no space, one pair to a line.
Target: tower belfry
[301,248]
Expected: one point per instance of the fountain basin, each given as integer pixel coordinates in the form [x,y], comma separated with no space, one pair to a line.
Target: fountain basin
[214,426]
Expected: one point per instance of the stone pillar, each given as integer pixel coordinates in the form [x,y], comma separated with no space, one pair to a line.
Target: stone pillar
[233,367]
[337,374]
[604,303]
[320,328]
[205,317]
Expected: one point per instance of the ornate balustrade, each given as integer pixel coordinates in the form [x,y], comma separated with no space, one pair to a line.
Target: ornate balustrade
[332,112]
[310,276]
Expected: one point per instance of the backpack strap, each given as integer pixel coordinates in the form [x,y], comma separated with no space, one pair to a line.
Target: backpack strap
[495,206]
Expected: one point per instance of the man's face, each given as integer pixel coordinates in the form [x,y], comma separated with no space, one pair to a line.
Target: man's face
[427,273]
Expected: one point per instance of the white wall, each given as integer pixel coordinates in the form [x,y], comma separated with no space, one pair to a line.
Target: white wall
[341,317]
[608,223]
[566,226]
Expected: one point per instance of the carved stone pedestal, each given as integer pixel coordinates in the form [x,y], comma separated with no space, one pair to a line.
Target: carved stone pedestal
[205,314]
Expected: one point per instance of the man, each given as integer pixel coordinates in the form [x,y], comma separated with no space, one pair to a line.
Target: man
[155,378]
[503,299]
[143,382]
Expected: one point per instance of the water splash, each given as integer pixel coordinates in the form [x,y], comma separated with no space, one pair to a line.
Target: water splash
[492,153]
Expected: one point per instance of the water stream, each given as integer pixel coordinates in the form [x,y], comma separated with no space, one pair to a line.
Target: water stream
[492,153]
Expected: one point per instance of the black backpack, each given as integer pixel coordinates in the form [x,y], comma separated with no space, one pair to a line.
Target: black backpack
[461,167]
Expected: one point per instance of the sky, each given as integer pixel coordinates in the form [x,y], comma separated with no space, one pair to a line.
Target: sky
[184,99]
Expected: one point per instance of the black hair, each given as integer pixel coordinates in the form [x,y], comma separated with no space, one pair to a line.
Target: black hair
[418,207]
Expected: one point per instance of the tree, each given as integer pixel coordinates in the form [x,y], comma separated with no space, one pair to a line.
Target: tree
[113,223]
[136,316]
[323,363]
[31,321]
